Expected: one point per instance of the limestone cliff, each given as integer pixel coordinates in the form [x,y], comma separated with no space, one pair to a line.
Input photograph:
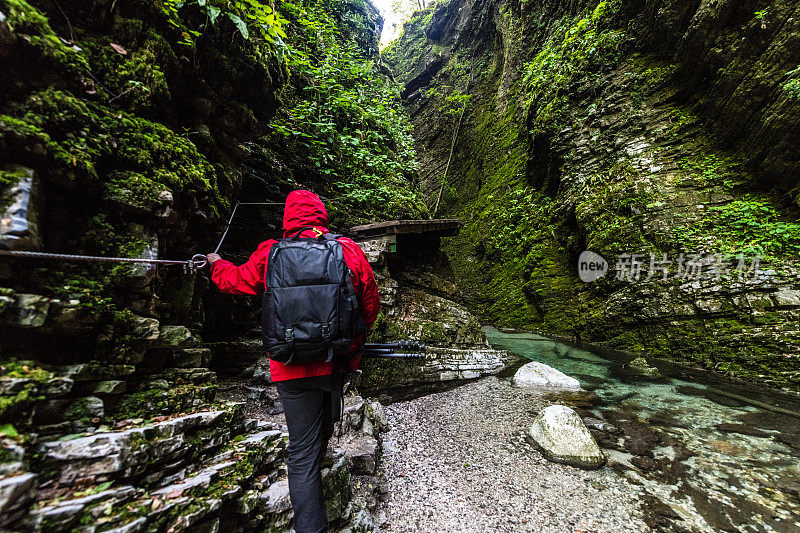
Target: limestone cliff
[132,129]
[648,128]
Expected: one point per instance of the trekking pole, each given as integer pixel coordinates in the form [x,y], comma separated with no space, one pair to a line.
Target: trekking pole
[387,350]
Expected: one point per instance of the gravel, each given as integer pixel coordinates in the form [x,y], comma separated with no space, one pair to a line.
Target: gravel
[459,461]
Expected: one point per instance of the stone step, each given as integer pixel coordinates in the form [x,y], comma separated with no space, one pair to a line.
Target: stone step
[190,499]
[64,514]
[135,451]
[16,494]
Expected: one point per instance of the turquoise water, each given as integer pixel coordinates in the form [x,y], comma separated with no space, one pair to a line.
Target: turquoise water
[717,480]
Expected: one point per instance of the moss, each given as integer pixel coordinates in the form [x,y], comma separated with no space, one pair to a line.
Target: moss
[25,20]
[29,393]
[692,341]
[135,80]
[179,398]
[134,190]
[13,368]
[613,204]
[29,370]
[576,47]
[89,141]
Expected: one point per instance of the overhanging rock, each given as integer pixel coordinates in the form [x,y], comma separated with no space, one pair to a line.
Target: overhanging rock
[419,301]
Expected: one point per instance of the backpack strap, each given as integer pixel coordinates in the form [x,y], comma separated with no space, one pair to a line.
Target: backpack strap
[296,234]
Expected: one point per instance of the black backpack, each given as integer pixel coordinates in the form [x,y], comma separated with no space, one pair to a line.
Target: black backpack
[309,311]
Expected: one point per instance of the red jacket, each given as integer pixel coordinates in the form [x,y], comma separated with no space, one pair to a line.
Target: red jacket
[303,208]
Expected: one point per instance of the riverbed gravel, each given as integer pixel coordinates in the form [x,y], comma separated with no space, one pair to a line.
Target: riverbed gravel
[459,461]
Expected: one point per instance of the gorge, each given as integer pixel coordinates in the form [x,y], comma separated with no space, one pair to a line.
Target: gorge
[659,135]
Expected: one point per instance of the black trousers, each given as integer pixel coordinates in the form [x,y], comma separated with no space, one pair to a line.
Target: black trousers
[311,406]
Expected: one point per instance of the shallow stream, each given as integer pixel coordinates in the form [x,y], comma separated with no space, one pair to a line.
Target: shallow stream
[713,455]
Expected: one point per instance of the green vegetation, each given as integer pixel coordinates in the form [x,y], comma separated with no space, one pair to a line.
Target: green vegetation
[252,19]
[24,19]
[343,122]
[712,169]
[33,375]
[576,47]
[792,86]
[613,206]
[749,226]
[88,140]
[13,368]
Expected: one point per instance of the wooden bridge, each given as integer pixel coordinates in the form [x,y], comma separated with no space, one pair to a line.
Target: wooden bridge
[443,227]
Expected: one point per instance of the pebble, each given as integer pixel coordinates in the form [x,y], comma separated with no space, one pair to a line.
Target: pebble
[459,461]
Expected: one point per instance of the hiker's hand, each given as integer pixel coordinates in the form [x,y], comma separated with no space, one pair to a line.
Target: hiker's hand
[212,257]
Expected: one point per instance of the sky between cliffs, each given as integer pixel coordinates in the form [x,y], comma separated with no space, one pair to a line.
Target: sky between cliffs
[392,19]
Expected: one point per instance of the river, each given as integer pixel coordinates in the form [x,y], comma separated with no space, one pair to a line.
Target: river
[721,456]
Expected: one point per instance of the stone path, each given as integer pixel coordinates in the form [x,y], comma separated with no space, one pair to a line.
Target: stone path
[458,461]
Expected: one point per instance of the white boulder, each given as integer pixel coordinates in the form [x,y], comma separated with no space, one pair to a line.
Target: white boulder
[559,432]
[539,375]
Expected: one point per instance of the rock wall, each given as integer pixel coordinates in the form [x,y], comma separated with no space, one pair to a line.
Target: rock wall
[131,129]
[418,301]
[647,128]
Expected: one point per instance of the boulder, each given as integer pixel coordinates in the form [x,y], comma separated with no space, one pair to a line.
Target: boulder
[539,375]
[70,318]
[24,310]
[559,432]
[276,497]
[191,357]
[362,456]
[17,491]
[641,367]
[174,337]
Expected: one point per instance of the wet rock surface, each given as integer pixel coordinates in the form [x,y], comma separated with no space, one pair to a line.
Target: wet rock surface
[539,375]
[704,457]
[563,438]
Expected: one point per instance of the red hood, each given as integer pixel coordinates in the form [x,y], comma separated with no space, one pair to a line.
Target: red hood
[303,208]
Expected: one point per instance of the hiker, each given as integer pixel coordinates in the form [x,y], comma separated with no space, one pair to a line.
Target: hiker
[313,330]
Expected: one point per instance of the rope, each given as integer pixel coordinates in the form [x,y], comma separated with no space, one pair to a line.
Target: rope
[455,138]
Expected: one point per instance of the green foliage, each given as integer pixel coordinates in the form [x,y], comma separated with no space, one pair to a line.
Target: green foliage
[611,204]
[24,19]
[89,141]
[344,119]
[576,48]
[792,86]
[761,14]
[252,19]
[455,102]
[751,226]
[711,169]
[8,430]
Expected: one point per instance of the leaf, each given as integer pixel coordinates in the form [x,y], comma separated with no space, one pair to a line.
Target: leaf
[9,430]
[213,12]
[119,49]
[201,3]
[239,23]
[174,494]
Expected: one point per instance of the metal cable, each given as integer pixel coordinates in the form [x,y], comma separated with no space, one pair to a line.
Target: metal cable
[197,261]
